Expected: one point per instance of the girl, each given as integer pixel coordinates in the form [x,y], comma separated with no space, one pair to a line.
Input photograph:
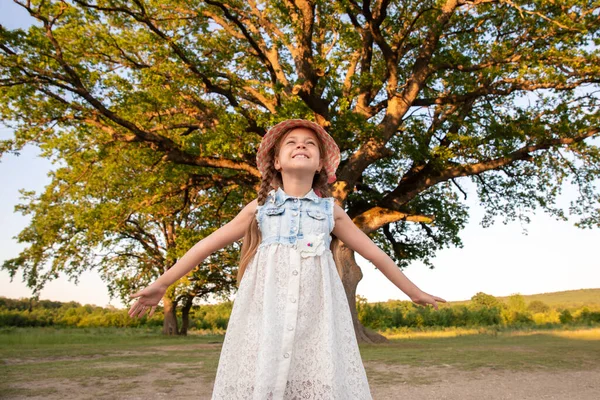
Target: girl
[290,333]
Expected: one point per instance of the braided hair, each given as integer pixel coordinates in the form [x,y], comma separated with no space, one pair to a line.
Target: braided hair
[271,179]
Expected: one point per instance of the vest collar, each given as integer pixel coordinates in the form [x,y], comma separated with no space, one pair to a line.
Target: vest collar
[279,196]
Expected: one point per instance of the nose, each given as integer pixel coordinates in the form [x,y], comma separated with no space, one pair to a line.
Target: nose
[300,145]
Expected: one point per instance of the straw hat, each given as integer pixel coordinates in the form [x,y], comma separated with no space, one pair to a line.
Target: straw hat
[332,151]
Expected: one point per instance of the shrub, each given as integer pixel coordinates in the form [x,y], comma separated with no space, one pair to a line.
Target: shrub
[538,306]
[483,300]
[565,317]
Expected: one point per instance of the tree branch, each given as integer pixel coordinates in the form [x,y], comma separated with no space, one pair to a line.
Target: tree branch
[397,105]
[374,218]
[427,176]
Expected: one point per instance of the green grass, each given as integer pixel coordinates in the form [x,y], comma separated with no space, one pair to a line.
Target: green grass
[550,350]
[47,342]
[84,355]
[118,361]
[510,350]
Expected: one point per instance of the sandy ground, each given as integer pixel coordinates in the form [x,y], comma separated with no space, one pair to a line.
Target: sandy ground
[446,383]
[396,382]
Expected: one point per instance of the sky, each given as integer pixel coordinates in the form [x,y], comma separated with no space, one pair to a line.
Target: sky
[499,260]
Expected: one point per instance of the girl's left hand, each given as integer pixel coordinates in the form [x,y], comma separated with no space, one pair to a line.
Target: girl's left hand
[148,299]
[423,299]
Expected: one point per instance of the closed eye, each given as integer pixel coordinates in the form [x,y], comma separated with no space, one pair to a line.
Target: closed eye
[293,141]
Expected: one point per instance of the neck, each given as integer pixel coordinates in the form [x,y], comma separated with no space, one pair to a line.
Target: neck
[296,186]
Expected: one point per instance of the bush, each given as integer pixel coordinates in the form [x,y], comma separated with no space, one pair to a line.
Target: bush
[565,317]
[483,300]
[516,302]
[486,316]
[586,316]
[538,306]
[484,310]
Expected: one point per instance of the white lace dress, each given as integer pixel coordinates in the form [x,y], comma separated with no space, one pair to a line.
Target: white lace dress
[290,334]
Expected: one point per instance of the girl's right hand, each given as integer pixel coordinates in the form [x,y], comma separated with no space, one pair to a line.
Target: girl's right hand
[148,297]
[423,299]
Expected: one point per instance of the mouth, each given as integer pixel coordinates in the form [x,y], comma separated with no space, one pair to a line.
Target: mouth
[300,156]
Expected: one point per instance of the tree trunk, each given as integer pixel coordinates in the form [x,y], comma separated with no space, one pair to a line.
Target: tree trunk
[351,275]
[185,317]
[170,321]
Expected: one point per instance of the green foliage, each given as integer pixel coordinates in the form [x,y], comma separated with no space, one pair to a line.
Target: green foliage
[565,317]
[155,111]
[483,310]
[483,300]
[134,217]
[378,316]
[213,317]
[516,302]
[538,306]
[587,316]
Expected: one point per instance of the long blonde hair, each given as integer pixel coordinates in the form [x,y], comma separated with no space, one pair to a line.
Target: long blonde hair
[271,179]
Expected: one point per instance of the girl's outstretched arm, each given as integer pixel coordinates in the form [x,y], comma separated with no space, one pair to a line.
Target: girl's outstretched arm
[232,231]
[357,240]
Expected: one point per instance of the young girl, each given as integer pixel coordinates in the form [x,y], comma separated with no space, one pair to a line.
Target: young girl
[290,333]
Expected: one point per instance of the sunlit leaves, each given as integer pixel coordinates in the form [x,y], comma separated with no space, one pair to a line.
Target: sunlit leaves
[137,98]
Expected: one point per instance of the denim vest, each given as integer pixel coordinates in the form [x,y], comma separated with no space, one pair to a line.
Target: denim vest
[285,219]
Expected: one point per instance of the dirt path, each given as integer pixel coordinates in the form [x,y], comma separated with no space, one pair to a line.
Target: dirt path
[446,383]
[387,383]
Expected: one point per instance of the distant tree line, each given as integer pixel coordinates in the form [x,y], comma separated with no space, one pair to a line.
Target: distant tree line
[31,313]
[482,310]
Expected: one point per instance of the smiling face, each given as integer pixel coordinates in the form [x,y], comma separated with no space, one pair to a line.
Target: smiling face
[298,150]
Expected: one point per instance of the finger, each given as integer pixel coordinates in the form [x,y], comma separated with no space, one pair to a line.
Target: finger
[141,311]
[136,309]
[132,309]
[136,294]
[152,311]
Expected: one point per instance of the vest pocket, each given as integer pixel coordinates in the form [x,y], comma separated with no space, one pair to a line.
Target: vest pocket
[316,214]
[274,210]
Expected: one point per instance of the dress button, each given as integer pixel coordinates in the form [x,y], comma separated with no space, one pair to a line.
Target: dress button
[295,213]
[293,228]
[295,272]
[295,200]
[290,328]
[293,300]
[287,355]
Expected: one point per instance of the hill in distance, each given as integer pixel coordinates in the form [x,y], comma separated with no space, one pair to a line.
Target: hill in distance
[567,298]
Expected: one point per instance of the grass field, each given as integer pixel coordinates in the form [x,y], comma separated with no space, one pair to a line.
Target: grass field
[136,363]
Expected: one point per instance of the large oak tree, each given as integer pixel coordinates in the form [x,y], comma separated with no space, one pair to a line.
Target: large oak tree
[420,96]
